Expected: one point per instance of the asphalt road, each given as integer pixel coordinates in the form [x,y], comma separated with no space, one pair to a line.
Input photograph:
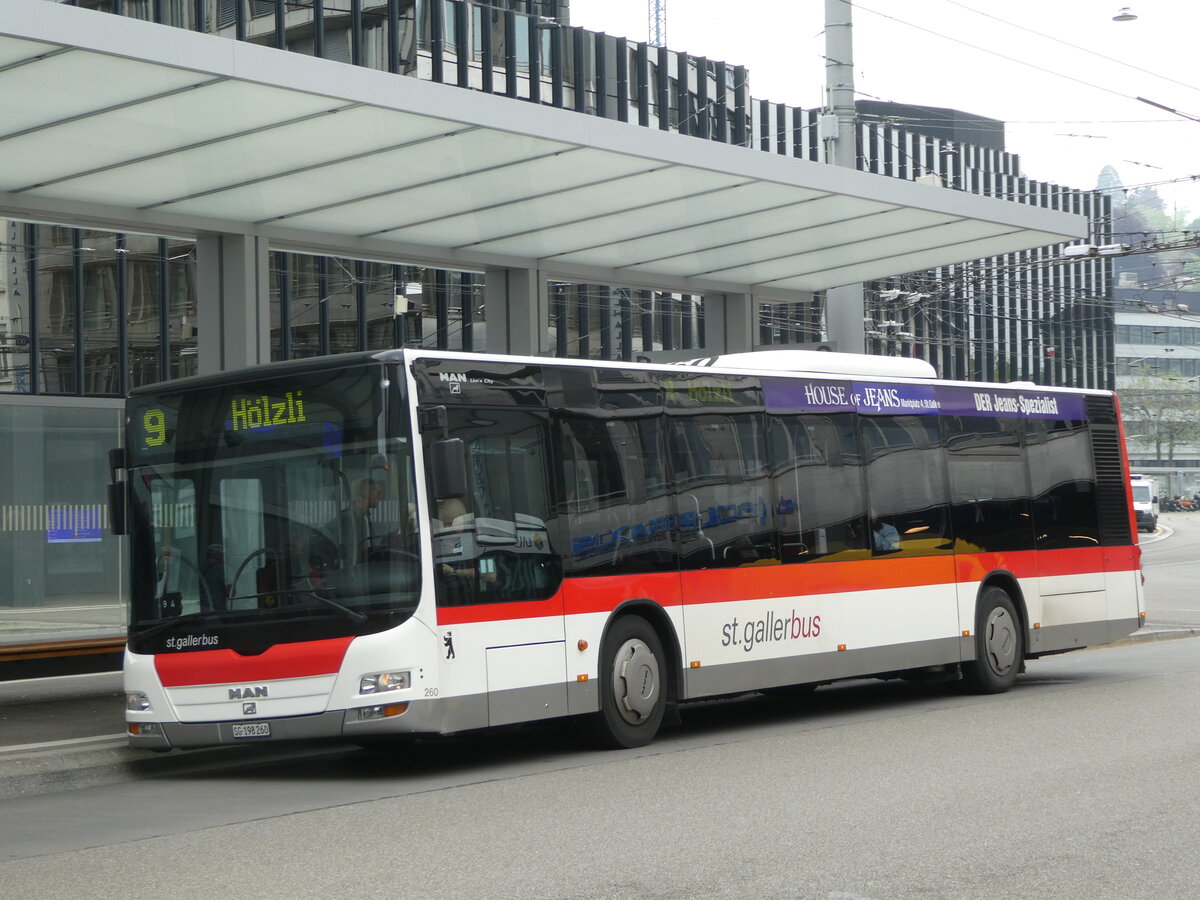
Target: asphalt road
[1080,782]
[1172,568]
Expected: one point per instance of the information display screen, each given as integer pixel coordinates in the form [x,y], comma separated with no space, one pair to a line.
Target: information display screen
[318,410]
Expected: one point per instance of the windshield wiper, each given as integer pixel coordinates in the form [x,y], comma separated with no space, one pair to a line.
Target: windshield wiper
[308,593]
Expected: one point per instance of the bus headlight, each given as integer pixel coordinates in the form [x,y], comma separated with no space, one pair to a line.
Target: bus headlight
[385,681]
[136,701]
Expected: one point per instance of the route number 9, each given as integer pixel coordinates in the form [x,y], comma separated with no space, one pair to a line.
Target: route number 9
[155,425]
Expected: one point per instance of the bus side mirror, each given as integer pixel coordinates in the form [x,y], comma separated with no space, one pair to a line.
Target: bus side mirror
[116,507]
[449,462]
[118,461]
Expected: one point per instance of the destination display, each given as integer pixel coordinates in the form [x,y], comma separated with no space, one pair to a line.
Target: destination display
[259,415]
[248,414]
[813,395]
[311,411]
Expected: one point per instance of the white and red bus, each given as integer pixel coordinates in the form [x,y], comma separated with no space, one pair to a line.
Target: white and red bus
[410,542]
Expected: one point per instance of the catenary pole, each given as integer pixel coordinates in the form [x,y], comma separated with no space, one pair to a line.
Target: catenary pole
[844,308]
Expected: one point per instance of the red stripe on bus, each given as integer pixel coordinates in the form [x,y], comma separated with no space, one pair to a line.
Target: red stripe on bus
[500,612]
[1028,564]
[601,594]
[300,660]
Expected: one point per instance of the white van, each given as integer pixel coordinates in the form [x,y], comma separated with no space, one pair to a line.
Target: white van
[1145,501]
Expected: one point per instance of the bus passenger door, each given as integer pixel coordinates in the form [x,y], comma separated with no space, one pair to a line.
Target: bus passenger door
[497,570]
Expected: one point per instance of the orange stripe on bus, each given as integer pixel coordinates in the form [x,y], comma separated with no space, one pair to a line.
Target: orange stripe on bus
[600,594]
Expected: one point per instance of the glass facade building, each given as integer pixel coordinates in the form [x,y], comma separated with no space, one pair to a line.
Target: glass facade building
[87,314]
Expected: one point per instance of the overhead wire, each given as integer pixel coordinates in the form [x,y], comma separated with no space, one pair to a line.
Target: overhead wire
[1021,62]
[1050,37]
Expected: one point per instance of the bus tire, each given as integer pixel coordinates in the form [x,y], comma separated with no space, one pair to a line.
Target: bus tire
[633,684]
[999,644]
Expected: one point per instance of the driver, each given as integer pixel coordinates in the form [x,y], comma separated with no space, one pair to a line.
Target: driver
[215,592]
[354,527]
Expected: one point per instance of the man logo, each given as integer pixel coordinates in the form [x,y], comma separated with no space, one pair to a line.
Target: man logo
[245,693]
[249,709]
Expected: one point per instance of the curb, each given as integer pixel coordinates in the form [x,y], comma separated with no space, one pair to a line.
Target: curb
[1156,634]
[56,766]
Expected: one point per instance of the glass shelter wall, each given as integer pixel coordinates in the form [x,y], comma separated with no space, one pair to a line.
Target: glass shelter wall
[60,571]
[84,315]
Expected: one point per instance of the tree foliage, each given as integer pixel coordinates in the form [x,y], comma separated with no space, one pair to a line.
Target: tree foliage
[1143,218]
[1161,413]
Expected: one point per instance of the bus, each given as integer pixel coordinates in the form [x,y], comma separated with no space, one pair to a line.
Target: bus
[419,543]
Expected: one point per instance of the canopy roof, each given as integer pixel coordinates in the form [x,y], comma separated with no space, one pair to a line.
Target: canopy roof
[122,123]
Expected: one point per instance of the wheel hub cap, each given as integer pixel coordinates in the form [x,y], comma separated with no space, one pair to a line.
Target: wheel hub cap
[1000,638]
[635,681]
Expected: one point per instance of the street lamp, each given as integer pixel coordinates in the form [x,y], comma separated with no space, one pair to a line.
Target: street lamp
[1125,15]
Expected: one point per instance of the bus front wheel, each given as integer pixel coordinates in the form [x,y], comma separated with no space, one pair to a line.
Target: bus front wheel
[999,644]
[632,684]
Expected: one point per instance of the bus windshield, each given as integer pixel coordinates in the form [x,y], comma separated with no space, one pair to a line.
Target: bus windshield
[271,512]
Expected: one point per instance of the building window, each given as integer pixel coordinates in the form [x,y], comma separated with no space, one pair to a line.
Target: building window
[99,299]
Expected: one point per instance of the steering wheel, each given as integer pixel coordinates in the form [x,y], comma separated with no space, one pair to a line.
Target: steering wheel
[261,551]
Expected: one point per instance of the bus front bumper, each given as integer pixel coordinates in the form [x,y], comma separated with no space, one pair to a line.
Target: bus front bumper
[444,716]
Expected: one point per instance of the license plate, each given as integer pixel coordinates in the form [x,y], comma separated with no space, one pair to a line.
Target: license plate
[252,729]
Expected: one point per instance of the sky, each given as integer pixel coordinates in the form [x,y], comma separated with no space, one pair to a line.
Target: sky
[1062,74]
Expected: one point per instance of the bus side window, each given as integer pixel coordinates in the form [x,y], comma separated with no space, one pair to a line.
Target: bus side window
[817,471]
[906,482]
[617,501]
[989,487]
[1063,484]
[724,504]
[496,546]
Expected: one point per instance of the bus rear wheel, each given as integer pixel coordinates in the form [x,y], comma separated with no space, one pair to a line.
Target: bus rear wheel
[633,695]
[999,644]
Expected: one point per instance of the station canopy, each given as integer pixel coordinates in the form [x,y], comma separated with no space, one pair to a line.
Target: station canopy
[121,123]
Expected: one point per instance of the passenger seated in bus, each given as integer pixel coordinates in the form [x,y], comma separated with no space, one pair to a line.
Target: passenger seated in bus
[463,575]
[453,517]
[884,537]
[449,512]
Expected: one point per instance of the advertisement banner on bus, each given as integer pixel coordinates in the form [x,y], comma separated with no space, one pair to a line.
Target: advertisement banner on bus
[870,398]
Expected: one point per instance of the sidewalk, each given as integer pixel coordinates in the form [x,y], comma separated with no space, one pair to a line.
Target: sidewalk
[66,733]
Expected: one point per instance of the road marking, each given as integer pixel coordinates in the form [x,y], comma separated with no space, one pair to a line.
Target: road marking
[62,745]
[17,682]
